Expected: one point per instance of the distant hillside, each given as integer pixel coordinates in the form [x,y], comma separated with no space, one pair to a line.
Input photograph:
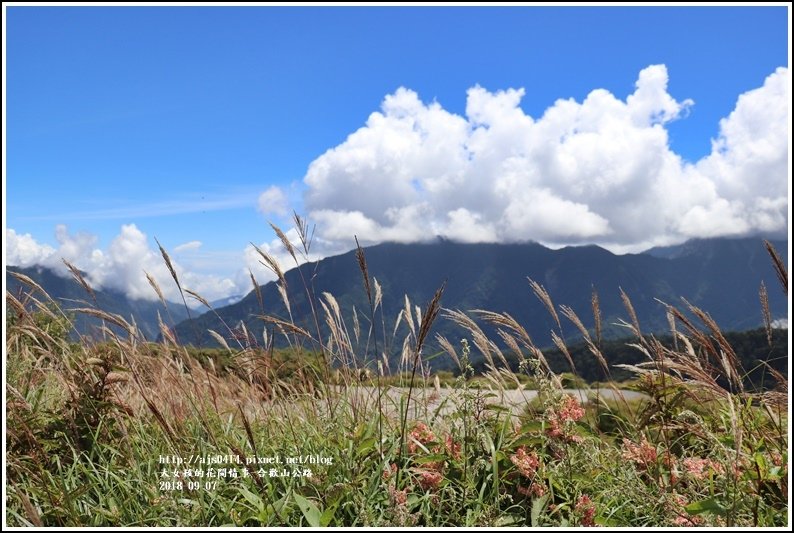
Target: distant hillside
[71,295]
[752,348]
[721,275]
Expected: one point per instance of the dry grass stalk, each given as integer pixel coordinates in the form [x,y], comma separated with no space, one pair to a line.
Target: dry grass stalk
[764,297]
[165,331]
[505,320]
[574,318]
[168,264]
[780,266]
[248,431]
[571,315]
[632,314]
[356,325]
[118,320]
[16,305]
[198,297]
[270,262]
[78,276]
[699,337]
[257,290]
[510,342]
[220,340]
[596,315]
[362,266]
[447,347]
[499,354]
[671,325]
[409,319]
[282,291]
[156,286]
[544,297]
[285,241]
[305,235]
[560,344]
[728,358]
[30,511]
[29,282]
[397,321]
[430,314]
[286,327]
[378,292]
[479,338]
[780,379]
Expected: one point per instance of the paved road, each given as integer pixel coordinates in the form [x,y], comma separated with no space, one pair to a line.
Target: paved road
[428,401]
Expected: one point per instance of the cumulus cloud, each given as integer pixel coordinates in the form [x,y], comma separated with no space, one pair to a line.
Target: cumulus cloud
[122,266]
[24,250]
[273,201]
[188,246]
[597,171]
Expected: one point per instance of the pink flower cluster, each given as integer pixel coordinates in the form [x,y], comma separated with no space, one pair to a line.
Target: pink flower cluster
[527,463]
[389,471]
[685,519]
[398,497]
[430,479]
[420,433]
[643,454]
[431,474]
[586,509]
[570,410]
[535,490]
[452,447]
[699,468]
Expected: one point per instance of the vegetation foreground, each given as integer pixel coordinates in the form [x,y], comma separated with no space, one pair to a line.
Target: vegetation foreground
[125,432]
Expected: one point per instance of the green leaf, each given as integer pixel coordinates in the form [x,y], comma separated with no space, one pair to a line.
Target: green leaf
[432,458]
[538,505]
[252,498]
[532,425]
[761,462]
[508,520]
[366,446]
[309,510]
[528,441]
[328,515]
[607,522]
[709,505]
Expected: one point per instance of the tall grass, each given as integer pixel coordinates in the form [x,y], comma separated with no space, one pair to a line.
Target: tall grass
[88,421]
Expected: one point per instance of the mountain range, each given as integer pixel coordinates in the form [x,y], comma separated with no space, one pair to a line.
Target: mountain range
[69,294]
[722,276]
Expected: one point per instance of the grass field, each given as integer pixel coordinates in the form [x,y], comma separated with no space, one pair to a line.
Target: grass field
[126,432]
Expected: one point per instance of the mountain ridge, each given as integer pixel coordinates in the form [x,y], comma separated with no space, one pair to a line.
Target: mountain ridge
[71,295]
[494,277]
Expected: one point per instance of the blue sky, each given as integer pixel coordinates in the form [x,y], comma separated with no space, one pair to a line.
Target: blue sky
[177,119]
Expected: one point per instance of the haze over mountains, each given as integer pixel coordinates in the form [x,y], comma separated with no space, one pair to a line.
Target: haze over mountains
[722,276]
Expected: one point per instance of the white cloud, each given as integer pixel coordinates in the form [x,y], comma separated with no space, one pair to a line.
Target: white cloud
[24,251]
[600,170]
[320,248]
[597,171]
[188,246]
[273,201]
[122,266]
